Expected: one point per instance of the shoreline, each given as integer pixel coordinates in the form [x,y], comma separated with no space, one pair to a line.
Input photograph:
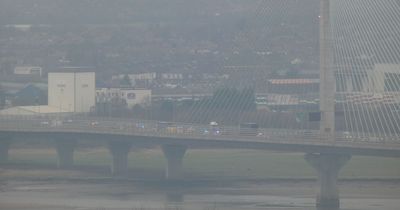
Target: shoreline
[110,179]
[94,193]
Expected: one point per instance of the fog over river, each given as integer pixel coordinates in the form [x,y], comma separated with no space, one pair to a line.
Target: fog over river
[121,195]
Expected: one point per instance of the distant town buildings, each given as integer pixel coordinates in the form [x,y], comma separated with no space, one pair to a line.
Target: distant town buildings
[385,78]
[150,77]
[172,76]
[130,95]
[381,78]
[141,79]
[172,81]
[292,86]
[372,86]
[28,71]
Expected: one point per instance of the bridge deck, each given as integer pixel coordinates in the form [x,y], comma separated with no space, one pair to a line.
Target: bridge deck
[195,134]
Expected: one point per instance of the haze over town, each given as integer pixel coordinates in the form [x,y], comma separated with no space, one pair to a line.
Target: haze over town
[207,104]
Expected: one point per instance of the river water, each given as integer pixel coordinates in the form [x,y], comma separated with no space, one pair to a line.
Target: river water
[208,195]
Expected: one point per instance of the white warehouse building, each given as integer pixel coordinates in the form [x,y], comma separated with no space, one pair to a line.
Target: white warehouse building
[130,95]
[72,91]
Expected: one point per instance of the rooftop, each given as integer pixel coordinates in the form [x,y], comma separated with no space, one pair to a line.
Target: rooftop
[32,110]
[293,81]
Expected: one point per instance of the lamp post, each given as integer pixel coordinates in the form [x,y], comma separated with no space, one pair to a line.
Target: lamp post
[60,107]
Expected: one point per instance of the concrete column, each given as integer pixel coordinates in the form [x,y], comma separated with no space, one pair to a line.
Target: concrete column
[4,147]
[119,151]
[174,155]
[327,75]
[327,167]
[174,197]
[65,152]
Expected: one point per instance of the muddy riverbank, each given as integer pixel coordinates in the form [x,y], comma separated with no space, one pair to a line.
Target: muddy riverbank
[113,195]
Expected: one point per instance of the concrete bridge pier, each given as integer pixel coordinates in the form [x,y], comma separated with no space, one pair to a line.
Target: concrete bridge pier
[327,167]
[5,143]
[174,155]
[65,152]
[119,151]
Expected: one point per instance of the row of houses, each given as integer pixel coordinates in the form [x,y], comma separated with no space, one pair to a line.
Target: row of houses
[170,76]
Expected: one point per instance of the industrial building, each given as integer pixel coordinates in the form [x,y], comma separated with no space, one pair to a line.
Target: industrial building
[72,91]
[68,92]
[28,70]
[130,95]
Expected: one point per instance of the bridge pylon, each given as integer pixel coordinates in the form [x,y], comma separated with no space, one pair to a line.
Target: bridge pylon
[5,142]
[327,167]
[174,155]
[65,152]
[119,151]
[327,77]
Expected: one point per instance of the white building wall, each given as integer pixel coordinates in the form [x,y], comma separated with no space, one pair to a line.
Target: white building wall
[61,88]
[85,91]
[72,92]
[140,76]
[134,97]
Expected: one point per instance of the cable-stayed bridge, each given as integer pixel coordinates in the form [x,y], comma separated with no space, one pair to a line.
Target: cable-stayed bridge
[326,153]
[359,78]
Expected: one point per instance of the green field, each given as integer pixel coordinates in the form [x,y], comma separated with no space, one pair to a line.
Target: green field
[213,164]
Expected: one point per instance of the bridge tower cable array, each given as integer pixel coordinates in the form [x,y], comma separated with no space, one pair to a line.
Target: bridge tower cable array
[367,66]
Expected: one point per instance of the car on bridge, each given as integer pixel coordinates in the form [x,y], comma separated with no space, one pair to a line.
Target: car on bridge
[248,129]
[214,128]
[56,123]
[66,121]
[45,123]
[94,123]
[169,127]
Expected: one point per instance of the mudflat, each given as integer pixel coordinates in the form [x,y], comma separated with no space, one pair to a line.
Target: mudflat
[113,195]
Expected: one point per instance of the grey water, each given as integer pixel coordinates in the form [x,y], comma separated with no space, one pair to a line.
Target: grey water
[214,195]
